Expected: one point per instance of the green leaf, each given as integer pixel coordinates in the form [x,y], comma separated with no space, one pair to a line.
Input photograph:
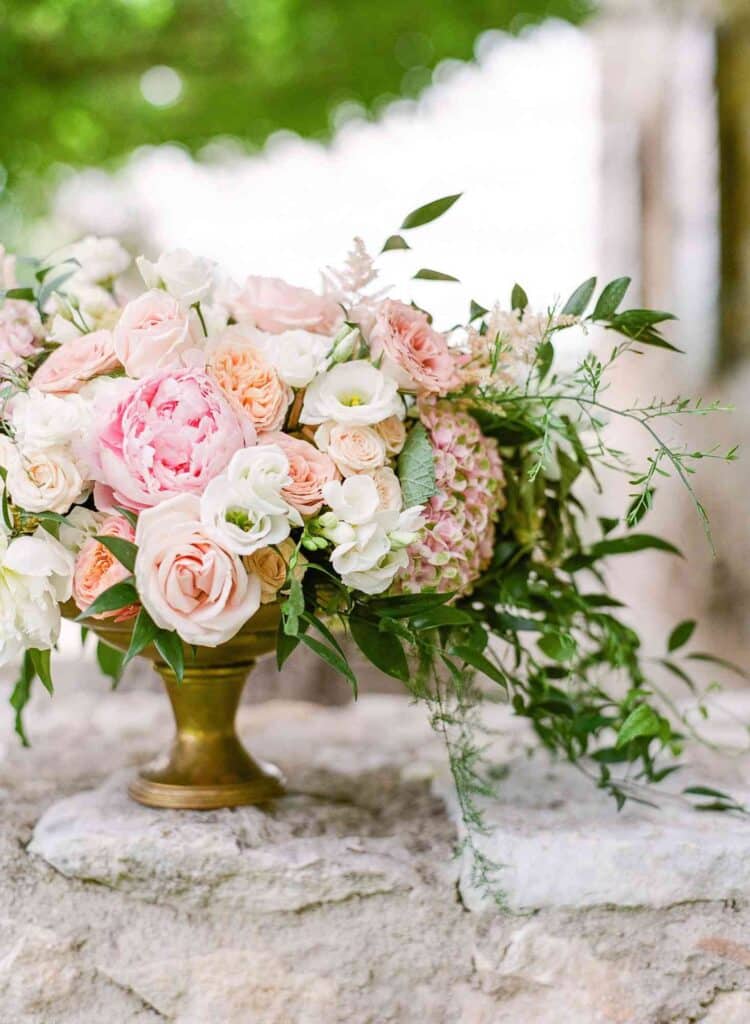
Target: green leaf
[395,242]
[579,300]
[416,468]
[27,294]
[425,274]
[610,298]
[475,311]
[714,659]
[518,298]
[707,791]
[41,662]
[144,633]
[128,514]
[22,694]
[429,212]
[681,634]
[123,550]
[480,663]
[169,646]
[110,661]
[385,652]
[293,607]
[285,645]
[558,646]
[642,721]
[631,543]
[115,597]
[406,605]
[332,657]
[436,618]
[52,285]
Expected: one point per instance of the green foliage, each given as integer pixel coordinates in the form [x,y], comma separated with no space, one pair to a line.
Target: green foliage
[416,468]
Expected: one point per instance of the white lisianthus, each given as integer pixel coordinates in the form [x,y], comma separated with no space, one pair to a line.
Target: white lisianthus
[244,505]
[355,500]
[186,277]
[297,356]
[35,576]
[41,420]
[355,392]
[378,578]
[99,259]
[364,547]
[42,480]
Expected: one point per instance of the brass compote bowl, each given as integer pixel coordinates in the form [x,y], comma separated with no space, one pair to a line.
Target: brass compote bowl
[208,766]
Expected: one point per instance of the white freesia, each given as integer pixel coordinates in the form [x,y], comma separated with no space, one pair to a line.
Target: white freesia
[355,392]
[99,259]
[378,578]
[42,420]
[244,505]
[355,500]
[35,576]
[186,277]
[297,356]
[42,480]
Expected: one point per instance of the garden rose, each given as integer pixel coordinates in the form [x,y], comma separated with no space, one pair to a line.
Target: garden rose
[309,470]
[393,433]
[155,333]
[275,306]
[69,367]
[270,565]
[248,378]
[40,420]
[170,435]
[353,448]
[97,569]
[42,480]
[20,331]
[186,277]
[188,581]
[355,392]
[389,489]
[417,354]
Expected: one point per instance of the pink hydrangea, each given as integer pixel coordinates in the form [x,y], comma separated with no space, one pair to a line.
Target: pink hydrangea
[457,544]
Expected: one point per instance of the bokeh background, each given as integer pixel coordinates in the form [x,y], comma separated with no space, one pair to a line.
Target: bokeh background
[608,137]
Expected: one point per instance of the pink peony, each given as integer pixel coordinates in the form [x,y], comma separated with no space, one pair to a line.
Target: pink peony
[309,469]
[77,361]
[417,353]
[170,435]
[97,569]
[457,545]
[155,333]
[250,381]
[20,331]
[275,306]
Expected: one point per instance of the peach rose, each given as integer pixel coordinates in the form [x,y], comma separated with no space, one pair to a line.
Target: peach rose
[97,569]
[393,433]
[275,306]
[354,448]
[270,565]
[250,381]
[71,365]
[188,581]
[155,333]
[309,469]
[412,349]
[389,489]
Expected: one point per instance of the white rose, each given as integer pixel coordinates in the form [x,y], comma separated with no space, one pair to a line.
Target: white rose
[46,480]
[35,576]
[380,576]
[100,259]
[354,501]
[355,392]
[187,278]
[366,546]
[297,356]
[389,489]
[187,579]
[353,448]
[41,420]
[244,505]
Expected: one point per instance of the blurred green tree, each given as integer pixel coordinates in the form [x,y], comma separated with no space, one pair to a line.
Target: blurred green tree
[83,82]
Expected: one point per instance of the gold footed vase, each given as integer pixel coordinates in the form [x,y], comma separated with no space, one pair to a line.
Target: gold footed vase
[208,766]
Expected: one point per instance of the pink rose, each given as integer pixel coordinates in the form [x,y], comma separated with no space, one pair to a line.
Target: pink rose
[418,353]
[155,333]
[170,435]
[97,569]
[309,470]
[187,580]
[20,331]
[250,381]
[74,363]
[275,306]
[354,448]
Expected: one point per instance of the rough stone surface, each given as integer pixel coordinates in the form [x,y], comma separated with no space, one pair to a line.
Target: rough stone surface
[342,905]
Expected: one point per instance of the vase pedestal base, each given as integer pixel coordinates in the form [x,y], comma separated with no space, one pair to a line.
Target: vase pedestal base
[164,788]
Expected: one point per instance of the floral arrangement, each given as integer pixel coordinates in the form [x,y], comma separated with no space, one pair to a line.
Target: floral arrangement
[178,450]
